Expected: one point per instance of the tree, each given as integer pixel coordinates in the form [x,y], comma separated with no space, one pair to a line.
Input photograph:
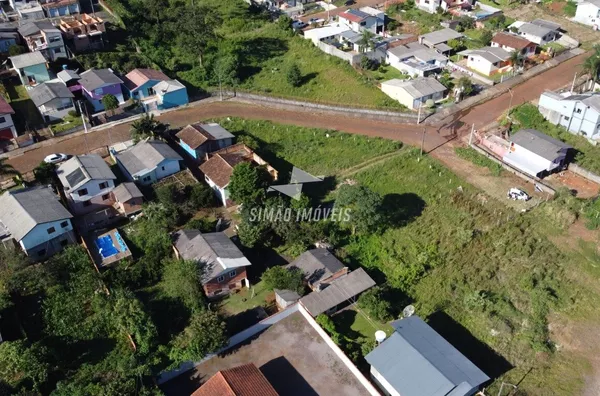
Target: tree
[456,44]
[284,22]
[485,38]
[205,334]
[366,41]
[446,80]
[182,279]
[15,50]
[592,64]
[364,205]
[196,27]
[516,59]
[284,279]
[245,185]
[465,85]
[23,366]
[147,127]
[225,70]
[374,302]
[128,316]
[6,169]
[294,76]
[110,102]
[253,234]
[167,194]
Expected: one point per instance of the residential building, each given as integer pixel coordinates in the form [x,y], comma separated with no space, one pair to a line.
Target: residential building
[34,220]
[340,291]
[83,32]
[359,20]
[319,267]
[99,82]
[223,264]
[7,126]
[511,43]
[167,94]
[325,33]
[244,380]
[9,36]
[53,100]
[438,40]
[538,31]
[59,8]
[579,114]
[106,248]
[128,198]
[432,6]
[200,139]
[25,10]
[536,153]
[488,60]
[414,93]
[588,13]
[87,181]
[140,82]
[71,80]
[219,168]
[416,361]
[44,37]
[148,162]
[414,58]
[285,298]
[31,68]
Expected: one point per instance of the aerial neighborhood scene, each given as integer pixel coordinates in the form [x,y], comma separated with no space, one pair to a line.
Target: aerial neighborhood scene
[299,197]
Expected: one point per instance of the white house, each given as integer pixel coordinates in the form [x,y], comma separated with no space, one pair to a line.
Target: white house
[34,220]
[359,20]
[438,40]
[579,114]
[431,6]
[148,161]
[329,32]
[87,182]
[414,93]
[415,58]
[219,168]
[535,153]
[538,31]
[53,100]
[588,13]
[7,126]
[487,60]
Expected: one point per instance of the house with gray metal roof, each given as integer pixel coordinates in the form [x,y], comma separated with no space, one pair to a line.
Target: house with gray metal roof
[536,153]
[578,114]
[416,361]
[200,139]
[96,83]
[87,182]
[414,93]
[44,37]
[222,263]
[415,58]
[148,161]
[488,60]
[34,220]
[538,31]
[128,198]
[53,100]
[344,289]
[31,68]
[319,267]
[438,40]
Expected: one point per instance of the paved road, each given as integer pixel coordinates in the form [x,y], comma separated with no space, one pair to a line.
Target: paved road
[410,134]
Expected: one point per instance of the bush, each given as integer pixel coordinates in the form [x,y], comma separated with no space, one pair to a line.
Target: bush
[72,113]
[294,76]
[285,279]
[570,8]
[15,50]
[110,102]
[167,194]
[373,301]
[202,224]
[201,196]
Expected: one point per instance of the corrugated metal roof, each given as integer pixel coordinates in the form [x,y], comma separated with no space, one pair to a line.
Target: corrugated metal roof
[337,292]
[95,78]
[317,264]
[417,361]
[441,36]
[534,30]
[26,60]
[419,87]
[167,86]
[82,168]
[22,210]
[539,143]
[45,92]
[146,155]
[126,191]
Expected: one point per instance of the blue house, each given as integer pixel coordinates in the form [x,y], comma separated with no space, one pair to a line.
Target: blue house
[7,39]
[53,8]
[140,82]
[200,139]
[169,94]
[31,68]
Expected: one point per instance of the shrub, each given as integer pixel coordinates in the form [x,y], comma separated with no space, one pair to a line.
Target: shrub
[373,301]
[201,196]
[294,76]
[570,8]
[283,278]
[110,102]
[72,113]
[202,224]
[167,194]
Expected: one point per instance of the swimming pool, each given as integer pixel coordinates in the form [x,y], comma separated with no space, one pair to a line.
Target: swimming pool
[107,248]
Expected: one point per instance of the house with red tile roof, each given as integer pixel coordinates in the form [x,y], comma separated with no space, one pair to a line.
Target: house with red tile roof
[219,168]
[140,82]
[511,42]
[200,139]
[245,380]
[366,18]
[7,126]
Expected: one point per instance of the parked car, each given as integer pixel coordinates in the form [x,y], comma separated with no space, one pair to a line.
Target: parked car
[298,25]
[56,158]
[517,195]
[349,2]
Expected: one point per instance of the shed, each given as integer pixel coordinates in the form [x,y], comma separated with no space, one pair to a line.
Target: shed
[414,93]
[536,153]
[285,298]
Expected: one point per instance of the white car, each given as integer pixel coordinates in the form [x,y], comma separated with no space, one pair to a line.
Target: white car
[56,158]
[517,195]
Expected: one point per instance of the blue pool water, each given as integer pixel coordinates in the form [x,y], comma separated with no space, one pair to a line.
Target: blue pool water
[106,247]
[122,245]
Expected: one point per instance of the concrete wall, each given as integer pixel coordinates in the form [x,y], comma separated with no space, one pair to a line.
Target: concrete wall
[167,168]
[39,72]
[353,59]
[584,173]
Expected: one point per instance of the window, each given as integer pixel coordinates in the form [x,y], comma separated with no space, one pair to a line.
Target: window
[82,192]
[103,185]
[578,111]
[64,224]
[220,279]
[363,23]
[98,91]
[87,203]
[2,120]
[51,230]
[162,167]
[232,274]
[64,242]
[54,39]
[147,178]
[105,197]
[42,252]
[58,50]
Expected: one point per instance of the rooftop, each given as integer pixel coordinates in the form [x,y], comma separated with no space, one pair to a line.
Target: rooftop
[67,75]
[539,143]
[168,86]
[32,28]
[317,264]
[416,50]
[441,36]
[5,108]
[354,15]
[491,54]
[28,59]
[126,191]
[145,156]
[45,92]
[510,40]
[138,77]
[417,361]
[419,87]
[534,30]
[219,167]
[82,168]
[244,380]
[293,357]
[195,135]
[96,78]
[547,24]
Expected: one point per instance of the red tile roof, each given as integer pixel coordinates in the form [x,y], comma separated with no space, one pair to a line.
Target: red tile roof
[5,108]
[219,167]
[138,77]
[194,135]
[351,17]
[511,41]
[246,380]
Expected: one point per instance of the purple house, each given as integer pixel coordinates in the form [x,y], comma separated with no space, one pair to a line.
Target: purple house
[96,83]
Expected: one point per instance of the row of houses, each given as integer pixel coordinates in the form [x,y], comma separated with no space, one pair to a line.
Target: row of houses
[23,10]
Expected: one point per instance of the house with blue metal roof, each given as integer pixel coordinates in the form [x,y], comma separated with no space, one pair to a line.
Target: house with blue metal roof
[416,361]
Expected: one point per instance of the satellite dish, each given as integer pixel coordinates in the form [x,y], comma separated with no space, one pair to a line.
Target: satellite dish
[380,336]
[408,311]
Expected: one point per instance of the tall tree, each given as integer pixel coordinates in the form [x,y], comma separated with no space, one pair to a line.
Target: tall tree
[205,334]
[246,185]
[196,27]
[364,206]
[147,127]
[294,76]
[6,169]
[366,41]
[182,279]
[592,64]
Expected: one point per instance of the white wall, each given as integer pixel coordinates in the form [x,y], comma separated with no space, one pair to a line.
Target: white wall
[8,123]
[39,234]
[398,94]
[575,116]
[50,111]
[483,66]
[588,14]
[220,192]
[93,190]
[167,168]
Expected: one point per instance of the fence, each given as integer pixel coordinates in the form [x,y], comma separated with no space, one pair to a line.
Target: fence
[353,59]
[454,67]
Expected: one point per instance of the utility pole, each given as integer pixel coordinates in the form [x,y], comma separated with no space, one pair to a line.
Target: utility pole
[419,113]
[510,102]
[220,89]
[422,141]
[573,84]
[471,135]
[87,148]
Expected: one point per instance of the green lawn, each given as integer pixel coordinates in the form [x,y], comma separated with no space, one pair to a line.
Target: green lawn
[26,115]
[356,321]
[387,72]
[246,299]
[68,123]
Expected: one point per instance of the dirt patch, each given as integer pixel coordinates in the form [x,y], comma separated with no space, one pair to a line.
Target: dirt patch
[555,7]
[582,187]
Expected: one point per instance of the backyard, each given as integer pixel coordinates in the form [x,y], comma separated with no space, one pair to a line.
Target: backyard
[27,116]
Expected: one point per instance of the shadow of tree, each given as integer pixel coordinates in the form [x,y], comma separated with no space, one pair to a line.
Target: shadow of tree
[307,78]
[344,321]
[401,209]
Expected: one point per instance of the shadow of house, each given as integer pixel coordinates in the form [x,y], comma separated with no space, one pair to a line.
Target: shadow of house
[401,209]
[493,364]
[286,379]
